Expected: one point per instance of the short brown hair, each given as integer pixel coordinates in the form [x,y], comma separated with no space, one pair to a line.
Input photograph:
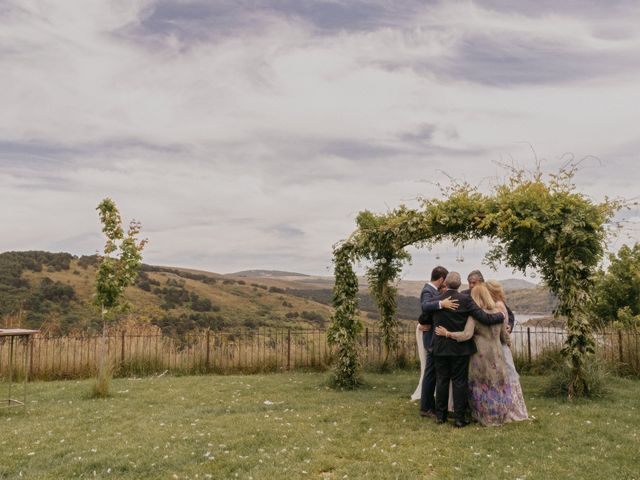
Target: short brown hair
[438,273]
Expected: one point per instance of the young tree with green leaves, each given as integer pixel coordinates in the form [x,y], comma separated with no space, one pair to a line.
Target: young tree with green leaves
[117,269]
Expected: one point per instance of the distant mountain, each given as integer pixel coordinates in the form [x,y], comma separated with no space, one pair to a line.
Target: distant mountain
[266,273]
[517,284]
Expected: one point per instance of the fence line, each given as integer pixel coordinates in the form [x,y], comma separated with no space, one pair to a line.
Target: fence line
[268,349]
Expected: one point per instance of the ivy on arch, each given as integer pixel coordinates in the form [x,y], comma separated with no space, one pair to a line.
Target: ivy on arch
[531,222]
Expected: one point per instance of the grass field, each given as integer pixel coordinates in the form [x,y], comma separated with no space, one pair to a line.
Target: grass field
[291,426]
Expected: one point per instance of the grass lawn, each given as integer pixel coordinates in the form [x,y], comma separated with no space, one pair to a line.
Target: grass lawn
[290,426]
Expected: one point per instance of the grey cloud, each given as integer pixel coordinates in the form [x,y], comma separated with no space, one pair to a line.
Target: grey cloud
[285,230]
[421,135]
[198,19]
[504,60]
[580,8]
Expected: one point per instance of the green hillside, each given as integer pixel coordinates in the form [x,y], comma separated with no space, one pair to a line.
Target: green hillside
[53,292]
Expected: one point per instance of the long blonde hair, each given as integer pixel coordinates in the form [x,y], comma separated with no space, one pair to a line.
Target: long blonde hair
[496,290]
[481,295]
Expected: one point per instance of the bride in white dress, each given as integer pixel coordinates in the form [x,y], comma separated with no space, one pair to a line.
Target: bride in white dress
[423,362]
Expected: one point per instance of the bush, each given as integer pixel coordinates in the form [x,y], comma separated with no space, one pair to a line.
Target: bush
[88,260]
[314,317]
[546,362]
[276,290]
[201,304]
[595,375]
[185,323]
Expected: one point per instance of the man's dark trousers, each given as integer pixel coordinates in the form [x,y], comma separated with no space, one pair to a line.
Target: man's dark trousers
[427,402]
[456,370]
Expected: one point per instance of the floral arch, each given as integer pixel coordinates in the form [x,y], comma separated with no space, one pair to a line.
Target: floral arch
[532,222]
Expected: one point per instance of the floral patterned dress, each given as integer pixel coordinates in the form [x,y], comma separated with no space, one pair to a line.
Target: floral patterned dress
[495,395]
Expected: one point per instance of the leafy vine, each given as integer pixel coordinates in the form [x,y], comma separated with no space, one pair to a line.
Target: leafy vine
[531,223]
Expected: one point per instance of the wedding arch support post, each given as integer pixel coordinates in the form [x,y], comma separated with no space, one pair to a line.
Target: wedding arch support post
[538,223]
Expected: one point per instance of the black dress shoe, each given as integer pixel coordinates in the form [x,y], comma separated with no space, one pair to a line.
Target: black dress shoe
[440,421]
[428,413]
[460,423]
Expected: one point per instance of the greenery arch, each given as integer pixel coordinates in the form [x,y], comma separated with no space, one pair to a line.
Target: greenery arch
[532,222]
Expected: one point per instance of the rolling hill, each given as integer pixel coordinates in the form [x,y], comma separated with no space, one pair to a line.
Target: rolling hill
[53,292]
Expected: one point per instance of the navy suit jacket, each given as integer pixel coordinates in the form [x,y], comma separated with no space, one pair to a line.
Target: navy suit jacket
[429,302]
[455,321]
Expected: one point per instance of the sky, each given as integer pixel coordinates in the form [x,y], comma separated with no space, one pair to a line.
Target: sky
[249,134]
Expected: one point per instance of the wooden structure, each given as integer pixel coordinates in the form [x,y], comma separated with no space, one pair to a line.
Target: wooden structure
[11,336]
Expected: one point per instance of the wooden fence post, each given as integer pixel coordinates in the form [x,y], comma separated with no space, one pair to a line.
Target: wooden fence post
[288,348]
[208,364]
[529,343]
[31,341]
[122,348]
[620,344]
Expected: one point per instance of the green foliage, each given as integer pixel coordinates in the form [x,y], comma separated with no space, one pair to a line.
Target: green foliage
[116,272]
[180,325]
[594,385]
[313,317]
[616,296]
[199,304]
[346,326]
[14,290]
[532,223]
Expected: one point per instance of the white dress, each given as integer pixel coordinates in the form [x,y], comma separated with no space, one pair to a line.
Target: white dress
[423,362]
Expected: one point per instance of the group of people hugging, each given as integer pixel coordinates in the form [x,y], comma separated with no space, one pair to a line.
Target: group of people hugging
[465,356]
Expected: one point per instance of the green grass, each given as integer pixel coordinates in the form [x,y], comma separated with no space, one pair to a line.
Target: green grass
[291,426]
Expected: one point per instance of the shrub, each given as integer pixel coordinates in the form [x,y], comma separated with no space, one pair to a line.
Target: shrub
[201,304]
[595,375]
[314,317]
[546,362]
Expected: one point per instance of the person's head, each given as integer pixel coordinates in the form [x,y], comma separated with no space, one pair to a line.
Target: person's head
[438,275]
[453,280]
[482,297]
[496,290]
[474,278]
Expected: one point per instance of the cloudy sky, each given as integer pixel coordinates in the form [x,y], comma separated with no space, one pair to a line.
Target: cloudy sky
[248,134]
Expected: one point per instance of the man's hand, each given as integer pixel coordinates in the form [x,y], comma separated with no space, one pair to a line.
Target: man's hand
[441,331]
[424,328]
[449,304]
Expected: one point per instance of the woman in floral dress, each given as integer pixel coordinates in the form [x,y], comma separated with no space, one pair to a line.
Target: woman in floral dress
[518,410]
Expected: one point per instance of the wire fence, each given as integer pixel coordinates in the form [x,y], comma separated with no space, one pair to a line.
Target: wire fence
[267,349]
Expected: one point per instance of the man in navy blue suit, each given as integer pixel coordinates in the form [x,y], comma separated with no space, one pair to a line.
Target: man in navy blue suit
[430,302]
